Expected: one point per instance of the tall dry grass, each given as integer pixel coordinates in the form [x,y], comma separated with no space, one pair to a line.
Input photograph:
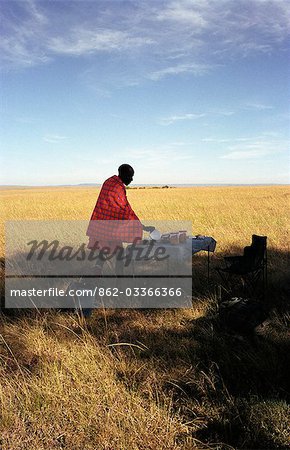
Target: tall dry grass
[230,214]
[168,379]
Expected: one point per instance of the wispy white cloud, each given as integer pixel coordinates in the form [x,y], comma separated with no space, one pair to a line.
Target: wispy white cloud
[257,106]
[221,112]
[21,44]
[215,140]
[195,69]
[255,149]
[177,118]
[180,144]
[230,27]
[54,138]
[196,34]
[34,34]
[183,12]
[82,41]
[159,155]
[251,153]
[193,116]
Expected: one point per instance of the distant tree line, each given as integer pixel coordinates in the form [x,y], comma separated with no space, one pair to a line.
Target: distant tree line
[150,187]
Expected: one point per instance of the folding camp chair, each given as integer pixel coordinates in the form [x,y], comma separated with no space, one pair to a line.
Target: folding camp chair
[250,268]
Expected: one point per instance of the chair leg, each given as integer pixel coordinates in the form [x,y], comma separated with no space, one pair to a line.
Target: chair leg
[233,284]
[222,293]
[257,282]
[224,277]
[247,286]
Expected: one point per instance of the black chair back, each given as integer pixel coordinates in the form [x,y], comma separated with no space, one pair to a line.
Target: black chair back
[255,253]
[251,267]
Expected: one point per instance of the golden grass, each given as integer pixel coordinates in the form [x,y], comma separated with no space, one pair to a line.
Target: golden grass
[64,391]
[134,380]
[230,214]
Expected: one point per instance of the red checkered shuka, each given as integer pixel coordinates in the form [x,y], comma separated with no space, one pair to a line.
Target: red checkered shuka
[113,220]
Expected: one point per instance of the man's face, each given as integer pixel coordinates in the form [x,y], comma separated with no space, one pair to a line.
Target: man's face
[127,179]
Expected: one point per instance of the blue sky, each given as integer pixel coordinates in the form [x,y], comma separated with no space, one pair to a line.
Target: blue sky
[187,91]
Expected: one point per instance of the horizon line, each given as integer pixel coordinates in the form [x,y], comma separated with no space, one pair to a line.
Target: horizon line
[145,185]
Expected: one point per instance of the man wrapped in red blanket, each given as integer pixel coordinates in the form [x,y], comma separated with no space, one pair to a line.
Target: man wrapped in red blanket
[113,221]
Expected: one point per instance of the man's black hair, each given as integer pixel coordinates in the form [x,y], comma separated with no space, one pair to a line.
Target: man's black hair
[125,169]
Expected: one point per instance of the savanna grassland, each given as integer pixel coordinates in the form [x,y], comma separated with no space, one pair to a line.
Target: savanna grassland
[152,379]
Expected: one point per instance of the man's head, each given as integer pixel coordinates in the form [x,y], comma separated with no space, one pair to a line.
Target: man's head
[126,173]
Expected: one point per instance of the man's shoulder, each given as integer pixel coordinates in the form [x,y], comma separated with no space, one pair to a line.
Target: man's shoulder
[113,182]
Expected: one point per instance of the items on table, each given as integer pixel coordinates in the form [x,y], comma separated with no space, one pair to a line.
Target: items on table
[174,238]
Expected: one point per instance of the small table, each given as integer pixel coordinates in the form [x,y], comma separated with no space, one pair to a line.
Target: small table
[179,253]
